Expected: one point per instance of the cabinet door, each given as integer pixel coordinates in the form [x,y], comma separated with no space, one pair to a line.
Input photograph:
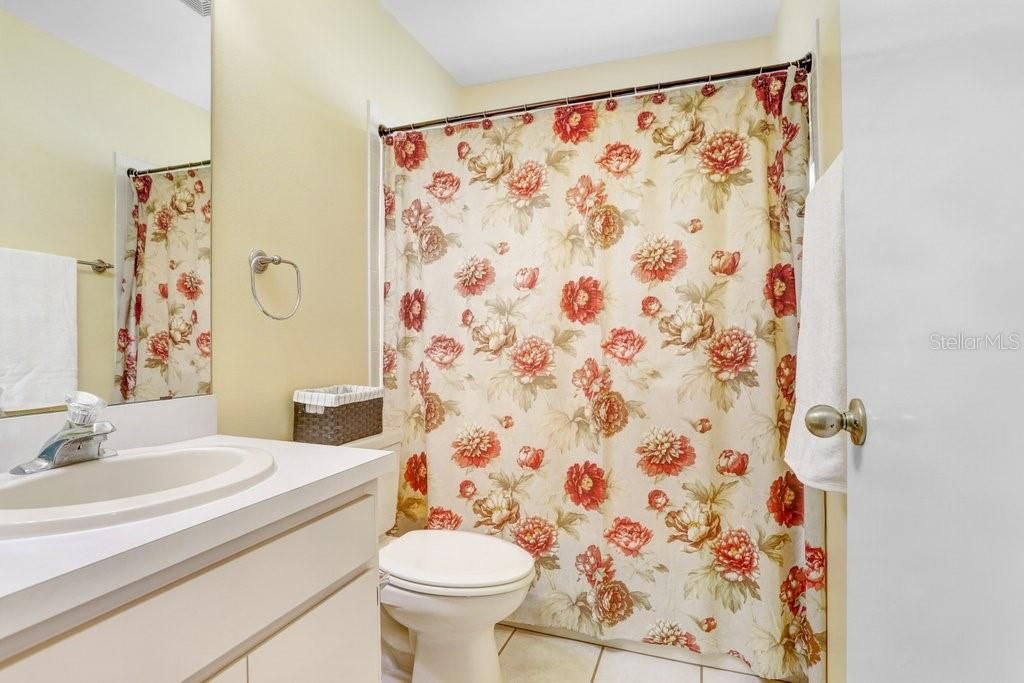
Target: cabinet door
[338,640]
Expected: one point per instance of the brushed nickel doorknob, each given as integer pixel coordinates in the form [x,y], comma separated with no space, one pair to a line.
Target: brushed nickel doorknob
[825,421]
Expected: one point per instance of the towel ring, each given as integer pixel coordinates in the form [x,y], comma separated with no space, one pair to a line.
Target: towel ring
[258,264]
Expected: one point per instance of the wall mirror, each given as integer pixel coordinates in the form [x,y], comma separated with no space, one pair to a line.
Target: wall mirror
[106,202]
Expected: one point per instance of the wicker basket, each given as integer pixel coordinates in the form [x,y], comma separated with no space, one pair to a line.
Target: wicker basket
[338,414]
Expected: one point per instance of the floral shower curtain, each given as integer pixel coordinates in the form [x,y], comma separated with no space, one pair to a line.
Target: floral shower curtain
[590,326]
[163,339]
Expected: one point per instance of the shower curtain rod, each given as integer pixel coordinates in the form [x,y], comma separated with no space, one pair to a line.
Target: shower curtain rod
[805,62]
[176,167]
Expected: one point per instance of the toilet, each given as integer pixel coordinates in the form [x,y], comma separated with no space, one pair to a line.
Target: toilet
[442,592]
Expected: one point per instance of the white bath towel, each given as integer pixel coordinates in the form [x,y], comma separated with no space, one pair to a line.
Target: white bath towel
[821,346]
[38,329]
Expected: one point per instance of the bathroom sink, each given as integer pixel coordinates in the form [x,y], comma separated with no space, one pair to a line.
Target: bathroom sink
[126,488]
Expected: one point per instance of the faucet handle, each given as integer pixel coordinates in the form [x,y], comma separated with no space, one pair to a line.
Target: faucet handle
[83,407]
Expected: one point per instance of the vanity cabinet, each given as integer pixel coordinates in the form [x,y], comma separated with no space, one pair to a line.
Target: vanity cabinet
[331,637]
[334,636]
[300,605]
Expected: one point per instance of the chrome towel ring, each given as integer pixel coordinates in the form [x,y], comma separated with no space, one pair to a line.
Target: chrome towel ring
[258,263]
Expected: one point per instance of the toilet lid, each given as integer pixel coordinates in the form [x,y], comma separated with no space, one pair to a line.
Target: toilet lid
[455,559]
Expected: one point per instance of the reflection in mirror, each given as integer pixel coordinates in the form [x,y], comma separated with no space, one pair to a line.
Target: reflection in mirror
[107,207]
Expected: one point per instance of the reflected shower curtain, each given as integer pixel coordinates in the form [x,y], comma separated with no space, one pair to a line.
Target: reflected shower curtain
[163,338]
[590,322]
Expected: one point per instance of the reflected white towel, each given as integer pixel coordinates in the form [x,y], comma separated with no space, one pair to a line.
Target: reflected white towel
[38,329]
[821,346]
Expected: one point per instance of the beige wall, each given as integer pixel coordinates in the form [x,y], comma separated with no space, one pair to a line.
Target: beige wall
[794,35]
[63,115]
[290,84]
[641,71]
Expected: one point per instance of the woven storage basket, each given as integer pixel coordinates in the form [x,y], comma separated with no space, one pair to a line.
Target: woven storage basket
[338,414]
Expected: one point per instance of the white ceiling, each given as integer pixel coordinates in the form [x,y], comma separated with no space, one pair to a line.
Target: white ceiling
[160,41]
[479,41]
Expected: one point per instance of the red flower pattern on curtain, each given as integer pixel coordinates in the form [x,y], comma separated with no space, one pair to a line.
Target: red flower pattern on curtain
[590,320]
[164,341]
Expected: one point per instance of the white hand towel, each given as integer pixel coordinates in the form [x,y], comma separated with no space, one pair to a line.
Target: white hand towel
[821,345]
[38,329]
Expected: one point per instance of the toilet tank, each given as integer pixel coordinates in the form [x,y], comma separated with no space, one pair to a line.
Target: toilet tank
[387,486]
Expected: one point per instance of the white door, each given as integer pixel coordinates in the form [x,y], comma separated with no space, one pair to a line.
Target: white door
[933,122]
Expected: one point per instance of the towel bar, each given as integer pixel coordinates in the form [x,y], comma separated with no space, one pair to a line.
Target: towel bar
[258,264]
[98,266]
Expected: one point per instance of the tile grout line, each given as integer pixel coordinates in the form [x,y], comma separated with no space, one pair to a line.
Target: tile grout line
[634,652]
[652,656]
[507,641]
[597,664]
[600,656]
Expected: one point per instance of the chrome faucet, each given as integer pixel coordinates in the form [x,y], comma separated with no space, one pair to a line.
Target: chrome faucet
[79,440]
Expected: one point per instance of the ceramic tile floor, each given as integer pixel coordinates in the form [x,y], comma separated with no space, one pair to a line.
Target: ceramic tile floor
[528,657]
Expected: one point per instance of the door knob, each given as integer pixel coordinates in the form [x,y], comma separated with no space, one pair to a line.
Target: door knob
[825,421]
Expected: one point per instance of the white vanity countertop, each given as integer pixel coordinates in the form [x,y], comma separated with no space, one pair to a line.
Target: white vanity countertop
[44,578]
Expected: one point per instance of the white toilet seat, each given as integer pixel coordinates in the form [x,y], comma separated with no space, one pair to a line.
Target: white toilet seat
[455,563]
[458,591]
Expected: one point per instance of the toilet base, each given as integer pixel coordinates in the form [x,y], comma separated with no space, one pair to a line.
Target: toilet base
[475,659]
[396,650]
[451,638]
